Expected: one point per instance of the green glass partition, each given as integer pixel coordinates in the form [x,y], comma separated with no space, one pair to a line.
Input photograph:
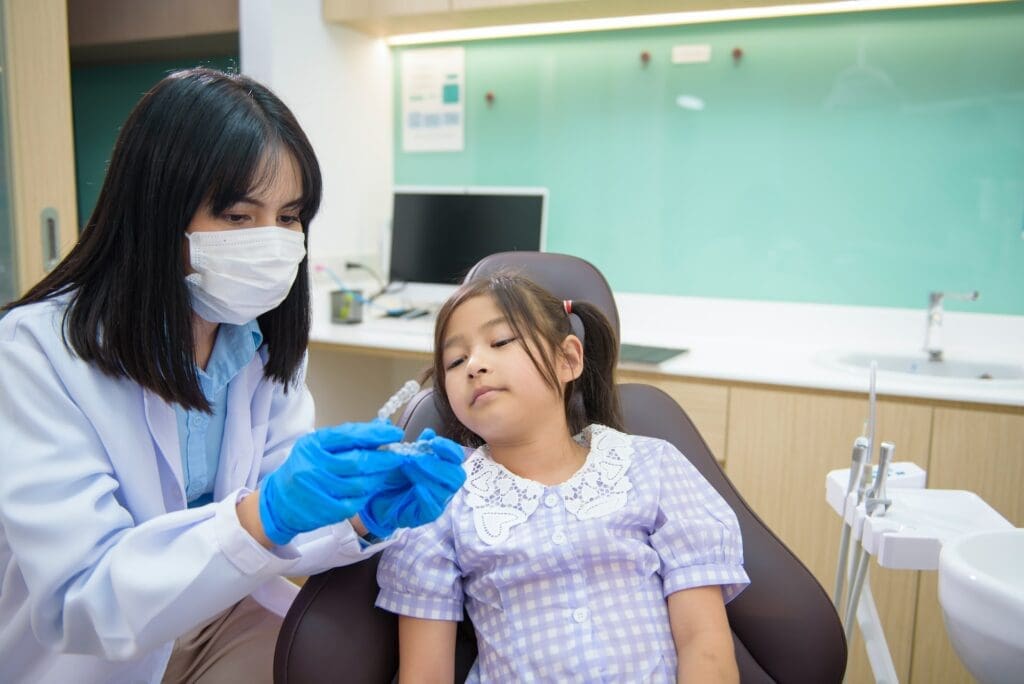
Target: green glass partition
[102,95]
[861,158]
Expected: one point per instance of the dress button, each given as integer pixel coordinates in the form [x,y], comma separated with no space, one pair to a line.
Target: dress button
[551,500]
[580,614]
[559,537]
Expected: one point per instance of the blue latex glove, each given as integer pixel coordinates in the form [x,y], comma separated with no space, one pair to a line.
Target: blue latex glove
[418,491]
[329,475]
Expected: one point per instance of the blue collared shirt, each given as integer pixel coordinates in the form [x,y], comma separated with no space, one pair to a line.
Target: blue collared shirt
[200,434]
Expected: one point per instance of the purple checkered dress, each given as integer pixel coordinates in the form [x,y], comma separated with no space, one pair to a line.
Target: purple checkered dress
[568,583]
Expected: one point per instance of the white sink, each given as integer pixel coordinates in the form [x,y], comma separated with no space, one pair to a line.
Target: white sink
[918,364]
[981,591]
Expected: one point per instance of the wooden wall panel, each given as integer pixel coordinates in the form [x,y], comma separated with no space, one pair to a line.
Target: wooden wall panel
[706,403]
[980,450]
[42,161]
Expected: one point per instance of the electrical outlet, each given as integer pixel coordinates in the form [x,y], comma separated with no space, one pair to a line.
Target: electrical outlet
[691,54]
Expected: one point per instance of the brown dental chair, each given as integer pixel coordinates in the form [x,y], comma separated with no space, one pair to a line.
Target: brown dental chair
[785,628]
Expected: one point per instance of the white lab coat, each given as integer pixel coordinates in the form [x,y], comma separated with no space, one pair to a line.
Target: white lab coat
[102,565]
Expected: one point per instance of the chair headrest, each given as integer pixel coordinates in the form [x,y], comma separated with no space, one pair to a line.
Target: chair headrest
[563,275]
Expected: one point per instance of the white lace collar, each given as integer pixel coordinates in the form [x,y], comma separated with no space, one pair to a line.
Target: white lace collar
[500,499]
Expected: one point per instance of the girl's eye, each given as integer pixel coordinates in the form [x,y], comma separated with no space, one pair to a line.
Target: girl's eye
[454,363]
[503,342]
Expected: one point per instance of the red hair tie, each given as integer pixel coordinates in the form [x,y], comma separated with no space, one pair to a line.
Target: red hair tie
[567,305]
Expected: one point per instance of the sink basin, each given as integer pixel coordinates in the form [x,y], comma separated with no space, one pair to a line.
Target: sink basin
[981,591]
[919,364]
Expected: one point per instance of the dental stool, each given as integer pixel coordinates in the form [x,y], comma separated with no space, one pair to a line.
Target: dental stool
[785,628]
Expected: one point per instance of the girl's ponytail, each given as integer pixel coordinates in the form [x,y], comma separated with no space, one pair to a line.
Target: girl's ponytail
[592,397]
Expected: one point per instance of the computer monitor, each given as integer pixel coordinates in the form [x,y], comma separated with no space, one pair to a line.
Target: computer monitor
[439,233]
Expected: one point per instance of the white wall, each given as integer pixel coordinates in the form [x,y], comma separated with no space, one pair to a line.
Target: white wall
[338,83]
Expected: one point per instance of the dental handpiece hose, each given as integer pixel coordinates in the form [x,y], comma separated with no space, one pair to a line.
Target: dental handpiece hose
[857,461]
[853,559]
[875,503]
[872,410]
[860,479]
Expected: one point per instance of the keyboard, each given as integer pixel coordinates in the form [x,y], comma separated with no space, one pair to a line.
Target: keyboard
[638,353]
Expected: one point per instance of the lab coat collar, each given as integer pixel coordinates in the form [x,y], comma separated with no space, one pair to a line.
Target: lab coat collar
[238,464]
[237,467]
[163,426]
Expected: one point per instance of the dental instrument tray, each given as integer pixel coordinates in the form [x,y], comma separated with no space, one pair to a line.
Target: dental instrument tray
[911,535]
[639,353]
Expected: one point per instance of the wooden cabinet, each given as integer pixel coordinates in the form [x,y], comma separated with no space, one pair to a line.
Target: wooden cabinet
[492,4]
[40,182]
[128,30]
[360,10]
[706,403]
[980,449]
[351,384]
[781,444]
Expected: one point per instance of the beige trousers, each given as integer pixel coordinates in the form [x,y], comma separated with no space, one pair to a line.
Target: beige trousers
[236,646]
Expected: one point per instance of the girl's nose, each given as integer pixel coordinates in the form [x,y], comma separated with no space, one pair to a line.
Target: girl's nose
[476,366]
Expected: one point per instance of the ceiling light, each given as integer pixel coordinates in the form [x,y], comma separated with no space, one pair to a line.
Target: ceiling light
[667,19]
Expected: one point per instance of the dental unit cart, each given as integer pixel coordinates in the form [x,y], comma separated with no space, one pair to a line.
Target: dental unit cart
[907,536]
[888,513]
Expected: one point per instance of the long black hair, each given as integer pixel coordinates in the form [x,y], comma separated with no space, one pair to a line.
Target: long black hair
[539,320]
[199,138]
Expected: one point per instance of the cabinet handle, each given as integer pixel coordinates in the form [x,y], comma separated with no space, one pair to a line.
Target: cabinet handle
[50,227]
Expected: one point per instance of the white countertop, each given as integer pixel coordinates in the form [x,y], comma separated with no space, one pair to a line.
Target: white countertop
[776,343]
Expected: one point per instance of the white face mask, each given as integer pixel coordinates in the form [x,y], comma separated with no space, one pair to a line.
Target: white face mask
[243,273]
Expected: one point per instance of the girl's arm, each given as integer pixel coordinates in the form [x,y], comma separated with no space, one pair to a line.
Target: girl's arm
[426,651]
[700,629]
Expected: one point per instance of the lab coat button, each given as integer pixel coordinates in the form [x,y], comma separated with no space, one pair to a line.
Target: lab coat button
[551,500]
[580,615]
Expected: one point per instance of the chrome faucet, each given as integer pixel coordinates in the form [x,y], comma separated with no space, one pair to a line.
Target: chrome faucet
[933,329]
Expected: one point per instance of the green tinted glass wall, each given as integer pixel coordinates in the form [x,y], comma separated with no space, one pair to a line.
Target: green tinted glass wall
[101,98]
[851,159]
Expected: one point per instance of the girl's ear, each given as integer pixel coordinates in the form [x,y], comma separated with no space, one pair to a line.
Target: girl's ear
[570,363]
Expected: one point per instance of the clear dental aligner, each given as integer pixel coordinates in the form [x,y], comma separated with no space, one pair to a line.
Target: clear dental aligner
[397,400]
[404,394]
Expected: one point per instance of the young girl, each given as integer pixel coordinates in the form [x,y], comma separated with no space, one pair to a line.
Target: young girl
[582,554]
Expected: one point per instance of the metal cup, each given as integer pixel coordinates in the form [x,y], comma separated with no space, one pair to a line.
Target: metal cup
[347,306]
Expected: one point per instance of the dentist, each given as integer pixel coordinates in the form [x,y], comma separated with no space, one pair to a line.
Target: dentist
[158,473]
